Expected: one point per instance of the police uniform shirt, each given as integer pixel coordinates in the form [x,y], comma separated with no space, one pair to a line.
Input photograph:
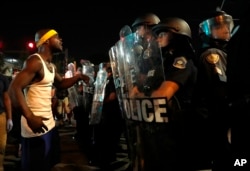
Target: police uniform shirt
[213,63]
[180,70]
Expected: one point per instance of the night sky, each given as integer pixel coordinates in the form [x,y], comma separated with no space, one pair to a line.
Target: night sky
[88,32]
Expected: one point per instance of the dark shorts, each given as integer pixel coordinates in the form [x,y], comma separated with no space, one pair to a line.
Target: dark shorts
[41,153]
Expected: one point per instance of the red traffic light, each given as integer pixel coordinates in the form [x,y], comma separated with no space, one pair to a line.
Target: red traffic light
[31,45]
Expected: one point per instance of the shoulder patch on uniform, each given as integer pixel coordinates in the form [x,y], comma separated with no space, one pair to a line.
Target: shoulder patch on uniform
[180,62]
[213,58]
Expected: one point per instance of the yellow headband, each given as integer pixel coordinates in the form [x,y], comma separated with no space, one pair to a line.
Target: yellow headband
[45,37]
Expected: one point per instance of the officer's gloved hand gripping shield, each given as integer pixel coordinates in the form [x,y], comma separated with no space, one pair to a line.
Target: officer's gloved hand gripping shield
[137,66]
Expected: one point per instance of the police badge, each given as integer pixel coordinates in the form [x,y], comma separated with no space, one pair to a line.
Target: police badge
[180,62]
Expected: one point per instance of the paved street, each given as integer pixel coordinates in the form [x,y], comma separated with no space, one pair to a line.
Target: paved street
[72,158]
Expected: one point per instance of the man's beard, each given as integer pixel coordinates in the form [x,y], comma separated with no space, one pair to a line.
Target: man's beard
[56,51]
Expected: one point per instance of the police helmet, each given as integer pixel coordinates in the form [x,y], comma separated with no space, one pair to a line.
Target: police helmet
[218,17]
[149,19]
[174,25]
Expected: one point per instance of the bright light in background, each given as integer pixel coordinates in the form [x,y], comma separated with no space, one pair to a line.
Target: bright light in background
[11,60]
[31,45]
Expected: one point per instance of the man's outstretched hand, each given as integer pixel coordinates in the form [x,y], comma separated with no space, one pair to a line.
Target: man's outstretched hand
[85,78]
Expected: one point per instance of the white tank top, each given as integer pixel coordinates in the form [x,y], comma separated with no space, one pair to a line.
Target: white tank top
[38,98]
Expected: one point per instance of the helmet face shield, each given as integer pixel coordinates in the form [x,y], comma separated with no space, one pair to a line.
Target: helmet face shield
[207,25]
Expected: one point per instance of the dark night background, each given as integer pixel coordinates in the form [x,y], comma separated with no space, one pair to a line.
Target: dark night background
[88,32]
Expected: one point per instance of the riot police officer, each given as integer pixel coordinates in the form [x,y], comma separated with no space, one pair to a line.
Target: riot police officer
[211,96]
[143,45]
[175,40]
[157,110]
[142,28]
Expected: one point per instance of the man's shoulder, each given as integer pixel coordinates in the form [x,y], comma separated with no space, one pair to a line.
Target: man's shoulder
[210,51]
[33,60]
[34,55]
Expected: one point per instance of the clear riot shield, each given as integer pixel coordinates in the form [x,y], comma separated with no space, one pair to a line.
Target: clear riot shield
[73,94]
[146,110]
[88,89]
[116,74]
[117,64]
[99,92]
